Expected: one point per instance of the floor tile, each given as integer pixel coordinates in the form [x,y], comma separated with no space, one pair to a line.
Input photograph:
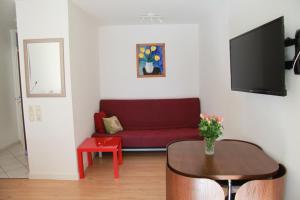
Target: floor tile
[9,161]
[15,146]
[20,173]
[3,175]
[13,162]
[25,163]
[17,150]
[12,167]
[6,157]
[23,160]
[4,154]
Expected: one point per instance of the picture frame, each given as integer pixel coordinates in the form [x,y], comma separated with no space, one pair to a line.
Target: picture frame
[44,67]
[150,60]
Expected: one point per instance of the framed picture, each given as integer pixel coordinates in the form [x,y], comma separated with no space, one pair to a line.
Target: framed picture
[150,60]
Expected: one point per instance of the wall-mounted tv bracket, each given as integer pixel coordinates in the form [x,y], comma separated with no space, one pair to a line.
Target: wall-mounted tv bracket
[296,60]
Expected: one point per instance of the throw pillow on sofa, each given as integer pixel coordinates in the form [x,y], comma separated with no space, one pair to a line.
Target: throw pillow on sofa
[112,125]
[98,119]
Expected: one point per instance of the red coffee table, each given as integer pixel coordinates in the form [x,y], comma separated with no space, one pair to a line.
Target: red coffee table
[100,144]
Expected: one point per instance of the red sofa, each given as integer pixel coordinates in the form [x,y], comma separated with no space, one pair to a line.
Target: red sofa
[154,123]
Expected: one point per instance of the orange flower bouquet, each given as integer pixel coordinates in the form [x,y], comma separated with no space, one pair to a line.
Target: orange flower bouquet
[210,128]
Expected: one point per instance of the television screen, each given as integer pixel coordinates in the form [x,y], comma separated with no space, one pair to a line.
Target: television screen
[257,60]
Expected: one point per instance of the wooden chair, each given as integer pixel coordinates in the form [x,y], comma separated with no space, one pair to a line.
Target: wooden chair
[245,142]
[236,184]
[187,188]
[271,189]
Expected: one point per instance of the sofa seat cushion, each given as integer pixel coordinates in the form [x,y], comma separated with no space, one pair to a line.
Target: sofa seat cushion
[153,138]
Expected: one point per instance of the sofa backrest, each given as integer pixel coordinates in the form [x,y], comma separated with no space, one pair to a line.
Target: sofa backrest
[150,114]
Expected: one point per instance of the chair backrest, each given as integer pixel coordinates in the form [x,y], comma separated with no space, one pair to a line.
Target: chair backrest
[186,188]
[243,141]
[271,189]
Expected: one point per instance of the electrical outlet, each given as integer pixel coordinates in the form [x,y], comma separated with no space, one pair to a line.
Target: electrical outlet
[31,114]
[38,113]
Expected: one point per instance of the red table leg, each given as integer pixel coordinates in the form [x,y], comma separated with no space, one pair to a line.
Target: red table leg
[115,163]
[80,164]
[120,157]
[90,159]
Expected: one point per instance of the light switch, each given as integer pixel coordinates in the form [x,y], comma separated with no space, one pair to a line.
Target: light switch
[31,114]
[38,113]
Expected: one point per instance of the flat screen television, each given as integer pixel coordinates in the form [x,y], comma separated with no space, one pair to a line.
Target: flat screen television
[257,61]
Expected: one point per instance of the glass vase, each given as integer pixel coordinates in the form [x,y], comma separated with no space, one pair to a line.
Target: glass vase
[209,146]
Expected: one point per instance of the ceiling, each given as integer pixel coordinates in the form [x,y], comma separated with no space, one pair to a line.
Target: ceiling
[125,12]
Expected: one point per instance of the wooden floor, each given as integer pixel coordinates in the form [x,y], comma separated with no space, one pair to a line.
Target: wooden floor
[142,177]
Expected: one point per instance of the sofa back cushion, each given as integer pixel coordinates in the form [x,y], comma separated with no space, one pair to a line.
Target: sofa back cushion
[151,114]
[98,119]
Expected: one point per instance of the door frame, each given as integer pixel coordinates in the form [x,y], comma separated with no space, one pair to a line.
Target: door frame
[18,87]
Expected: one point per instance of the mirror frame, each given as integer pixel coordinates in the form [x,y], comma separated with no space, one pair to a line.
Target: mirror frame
[62,68]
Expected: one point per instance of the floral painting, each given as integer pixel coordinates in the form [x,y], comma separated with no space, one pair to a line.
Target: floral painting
[150,60]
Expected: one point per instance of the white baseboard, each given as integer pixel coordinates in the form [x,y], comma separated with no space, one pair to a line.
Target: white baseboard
[144,149]
[43,176]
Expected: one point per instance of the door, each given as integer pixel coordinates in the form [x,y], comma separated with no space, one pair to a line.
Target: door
[17,87]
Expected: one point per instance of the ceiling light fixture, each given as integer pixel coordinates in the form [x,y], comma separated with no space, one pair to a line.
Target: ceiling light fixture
[151,18]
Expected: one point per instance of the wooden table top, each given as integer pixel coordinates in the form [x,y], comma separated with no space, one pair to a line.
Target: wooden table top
[232,160]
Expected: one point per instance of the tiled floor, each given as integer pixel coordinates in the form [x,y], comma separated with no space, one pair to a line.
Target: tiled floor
[13,162]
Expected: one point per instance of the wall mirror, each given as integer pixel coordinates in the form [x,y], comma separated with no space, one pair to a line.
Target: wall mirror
[44,67]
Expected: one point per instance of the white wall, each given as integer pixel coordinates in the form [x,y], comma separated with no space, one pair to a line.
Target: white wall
[51,143]
[8,118]
[270,121]
[118,77]
[84,71]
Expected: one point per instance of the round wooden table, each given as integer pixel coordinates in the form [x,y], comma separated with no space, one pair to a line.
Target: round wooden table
[233,160]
